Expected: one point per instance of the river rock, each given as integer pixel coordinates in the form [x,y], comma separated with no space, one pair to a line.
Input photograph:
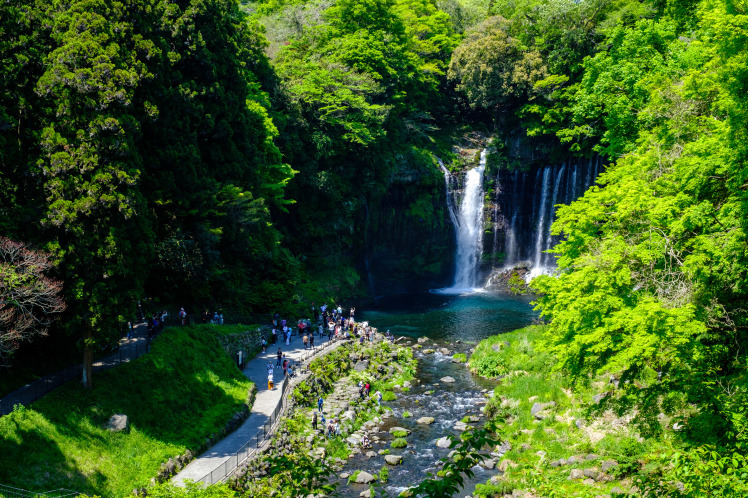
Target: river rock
[118,422]
[461,426]
[428,351]
[443,442]
[591,473]
[345,475]
[444,351]
[364,477]
[539,410]
[426,420]
[489,463]
[505,464]
[609,464]
[370,454]
[365,494]
[393,459]
[447,379]
[422,340]
[353,440]
[360,366]
[393,430]
[576,474]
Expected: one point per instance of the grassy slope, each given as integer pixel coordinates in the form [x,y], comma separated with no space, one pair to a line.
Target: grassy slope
[529,374]
[182,392]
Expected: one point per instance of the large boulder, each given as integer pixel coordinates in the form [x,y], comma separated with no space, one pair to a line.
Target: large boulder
[364,477]
[443,442]
[461,426]
[576,474]
[540,410]
[393,459]
[118,422]
[399,431]
[447,379]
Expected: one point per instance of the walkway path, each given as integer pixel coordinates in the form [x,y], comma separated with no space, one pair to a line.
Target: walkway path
[223,453]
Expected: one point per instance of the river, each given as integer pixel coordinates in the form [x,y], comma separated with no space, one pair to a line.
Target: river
[444,319]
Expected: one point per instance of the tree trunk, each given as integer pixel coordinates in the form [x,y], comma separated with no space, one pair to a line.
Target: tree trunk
[87,380]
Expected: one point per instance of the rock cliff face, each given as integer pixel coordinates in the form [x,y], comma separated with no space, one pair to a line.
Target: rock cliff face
[409,237]
[409,240]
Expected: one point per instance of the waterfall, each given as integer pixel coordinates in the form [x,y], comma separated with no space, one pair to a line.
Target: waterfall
[450,202]
[468,222]
[548,237]
[541,230]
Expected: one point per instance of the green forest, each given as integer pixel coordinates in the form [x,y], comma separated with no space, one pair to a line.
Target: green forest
[257,157]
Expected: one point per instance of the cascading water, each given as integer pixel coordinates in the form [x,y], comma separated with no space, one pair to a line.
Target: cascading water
[527,202]
[468,222]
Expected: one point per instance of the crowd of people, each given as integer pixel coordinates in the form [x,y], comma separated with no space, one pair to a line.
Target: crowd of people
[328,321]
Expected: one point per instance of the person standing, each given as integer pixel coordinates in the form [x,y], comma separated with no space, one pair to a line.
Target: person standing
[305,339]
[320,402]
[280,357]
[183,316]
[314,421]
[285,366]
[311,341]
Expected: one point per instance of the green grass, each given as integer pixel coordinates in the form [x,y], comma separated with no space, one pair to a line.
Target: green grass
[185,390]
[493,358]
[460,357]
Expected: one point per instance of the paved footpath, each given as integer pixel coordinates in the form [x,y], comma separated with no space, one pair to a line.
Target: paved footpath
[263,407]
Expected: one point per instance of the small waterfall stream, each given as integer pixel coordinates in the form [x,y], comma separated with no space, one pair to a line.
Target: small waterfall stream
[529,211]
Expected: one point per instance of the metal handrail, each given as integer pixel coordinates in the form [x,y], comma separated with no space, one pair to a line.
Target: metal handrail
[55,493]
[251,447]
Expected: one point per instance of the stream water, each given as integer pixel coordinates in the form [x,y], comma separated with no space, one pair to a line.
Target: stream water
[444,319]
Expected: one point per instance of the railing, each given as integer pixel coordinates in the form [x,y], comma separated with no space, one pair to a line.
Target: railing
[192,319]
[9,491]
[35,390]
[252,446]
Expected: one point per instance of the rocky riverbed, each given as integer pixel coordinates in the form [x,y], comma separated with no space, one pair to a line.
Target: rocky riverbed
[409,440]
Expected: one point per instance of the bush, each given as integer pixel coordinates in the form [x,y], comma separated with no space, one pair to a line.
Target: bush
[389,396]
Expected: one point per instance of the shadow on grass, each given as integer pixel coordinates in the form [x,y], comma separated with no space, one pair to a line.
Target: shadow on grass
[184,391]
